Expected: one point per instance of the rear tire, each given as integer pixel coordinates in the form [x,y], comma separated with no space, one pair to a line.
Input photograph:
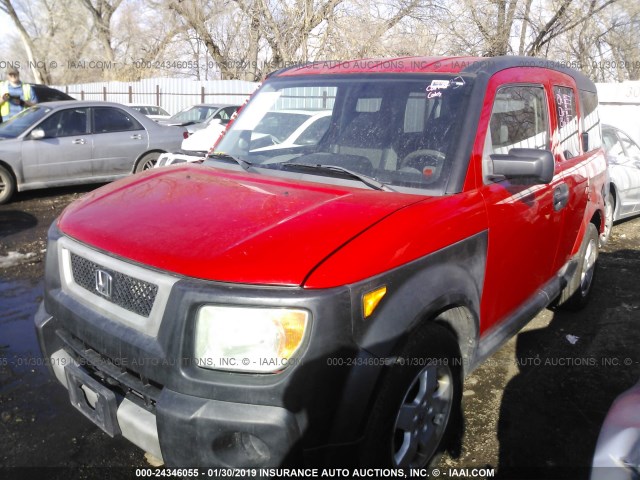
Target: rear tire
[417,410]
[576,294]
[7,185]
[147,162]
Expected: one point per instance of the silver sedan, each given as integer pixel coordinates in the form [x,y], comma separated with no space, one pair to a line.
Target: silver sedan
[73,142]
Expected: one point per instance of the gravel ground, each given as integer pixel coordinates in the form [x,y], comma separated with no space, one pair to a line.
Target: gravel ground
[533,410]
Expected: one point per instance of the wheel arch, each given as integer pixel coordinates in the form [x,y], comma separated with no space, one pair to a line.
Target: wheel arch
[443,289]
[447,295]
[145,153]
[8,191]
[11,170]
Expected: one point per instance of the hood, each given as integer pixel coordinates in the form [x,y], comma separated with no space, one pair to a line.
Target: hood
[225,226]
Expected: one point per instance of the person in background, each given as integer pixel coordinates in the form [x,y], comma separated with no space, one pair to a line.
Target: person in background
[15,95]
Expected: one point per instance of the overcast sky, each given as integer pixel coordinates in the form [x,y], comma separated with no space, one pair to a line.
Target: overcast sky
[7,28]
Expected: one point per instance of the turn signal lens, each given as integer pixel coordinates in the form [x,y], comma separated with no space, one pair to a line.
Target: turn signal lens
[371,300]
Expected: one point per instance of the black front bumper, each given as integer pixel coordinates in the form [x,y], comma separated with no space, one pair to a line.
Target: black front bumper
[194,416]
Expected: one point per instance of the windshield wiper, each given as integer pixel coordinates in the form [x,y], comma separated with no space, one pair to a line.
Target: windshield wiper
[367,180]
[225,156]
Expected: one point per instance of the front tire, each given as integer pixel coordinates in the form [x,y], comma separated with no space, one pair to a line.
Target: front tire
[417,411]
[7,185]
[576,294]
[147,162]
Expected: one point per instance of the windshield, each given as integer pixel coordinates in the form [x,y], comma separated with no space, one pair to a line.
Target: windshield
[18,124]
[196,114]
[400,130]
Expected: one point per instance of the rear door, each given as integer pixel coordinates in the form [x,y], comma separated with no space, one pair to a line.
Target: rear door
[571,164]
[65,153]
[118,140]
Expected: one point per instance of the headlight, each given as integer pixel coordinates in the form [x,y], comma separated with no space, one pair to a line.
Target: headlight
[260,340]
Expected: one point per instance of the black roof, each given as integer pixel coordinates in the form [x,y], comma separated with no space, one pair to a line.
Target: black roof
[496,64]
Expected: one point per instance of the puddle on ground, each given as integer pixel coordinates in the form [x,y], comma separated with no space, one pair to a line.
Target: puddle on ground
[20,358]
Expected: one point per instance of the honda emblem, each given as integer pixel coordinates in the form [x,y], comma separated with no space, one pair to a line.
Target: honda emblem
[103,283]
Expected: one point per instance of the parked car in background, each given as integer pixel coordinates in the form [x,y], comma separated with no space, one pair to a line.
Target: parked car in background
[195,147]
[73,142]
[623,156]
[152,111]
[49,94]
[617,455]
[277,130]
[197,117]
[298,127]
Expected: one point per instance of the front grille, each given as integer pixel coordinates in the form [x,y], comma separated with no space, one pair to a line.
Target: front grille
[127,292]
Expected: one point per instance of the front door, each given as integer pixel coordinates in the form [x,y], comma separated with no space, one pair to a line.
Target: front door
[64,154]
[525,221]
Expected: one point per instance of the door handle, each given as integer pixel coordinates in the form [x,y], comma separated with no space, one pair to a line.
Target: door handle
[560,196]
[79,141]
[136,136]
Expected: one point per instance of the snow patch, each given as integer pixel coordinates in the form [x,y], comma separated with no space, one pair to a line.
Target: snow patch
[14,258]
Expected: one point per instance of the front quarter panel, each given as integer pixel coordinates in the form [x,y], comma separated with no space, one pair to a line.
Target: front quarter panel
[11,155]
[431,256]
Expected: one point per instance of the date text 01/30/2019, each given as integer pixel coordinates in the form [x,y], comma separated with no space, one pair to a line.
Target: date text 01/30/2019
[303,473]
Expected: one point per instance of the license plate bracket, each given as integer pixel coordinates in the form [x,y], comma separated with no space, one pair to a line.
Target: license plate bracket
[94,400]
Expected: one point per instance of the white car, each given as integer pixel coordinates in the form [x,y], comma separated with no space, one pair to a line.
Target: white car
[151,111]
[308,129]
[303,127]
[195,147]
[200,116]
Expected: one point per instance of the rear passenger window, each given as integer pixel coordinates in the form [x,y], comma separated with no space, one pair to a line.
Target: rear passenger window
[107,119]
[591,119]
[569,140]
[369,105]
[415,113]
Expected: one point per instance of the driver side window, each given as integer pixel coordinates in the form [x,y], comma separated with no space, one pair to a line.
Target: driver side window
[65,123]
[519,119]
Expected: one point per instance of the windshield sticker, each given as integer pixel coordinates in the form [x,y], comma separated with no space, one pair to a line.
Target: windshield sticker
[457,82]
[435,89]
[437,85]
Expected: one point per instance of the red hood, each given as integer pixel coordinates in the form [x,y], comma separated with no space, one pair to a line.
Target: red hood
[225,226]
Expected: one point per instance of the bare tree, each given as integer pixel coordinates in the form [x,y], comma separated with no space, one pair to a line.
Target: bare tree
[144,46]
[196,15]
[101,12]
[287,26]
[39,75]
[533,25]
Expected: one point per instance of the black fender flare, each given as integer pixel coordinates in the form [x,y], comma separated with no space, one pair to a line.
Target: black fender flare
[444,287]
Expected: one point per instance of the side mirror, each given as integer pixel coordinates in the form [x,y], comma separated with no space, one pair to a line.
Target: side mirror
[526,164]
[37,134]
